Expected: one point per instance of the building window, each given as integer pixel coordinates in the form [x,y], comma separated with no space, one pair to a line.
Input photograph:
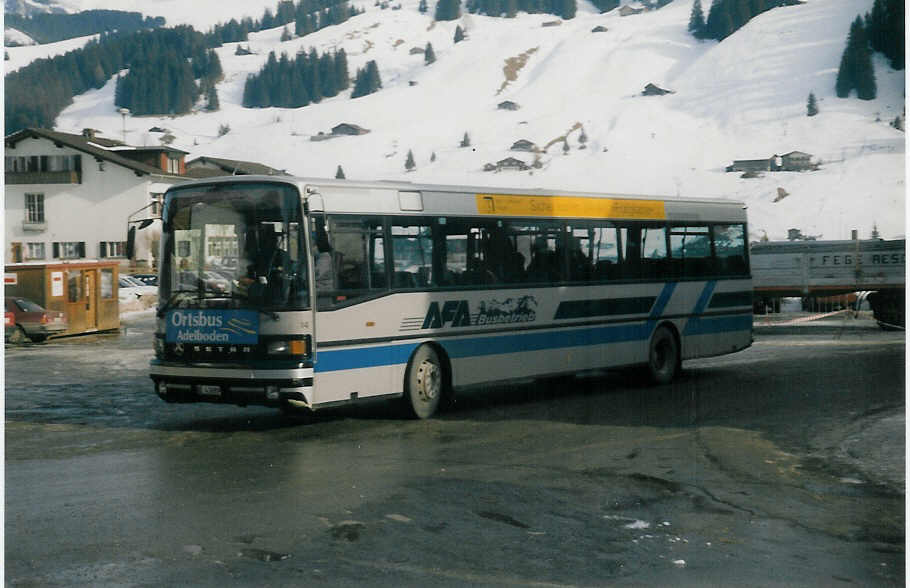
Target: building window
[157,204]
[173,165]
[34,208]
[112,249]
[74,285]
[107,283]
[69,249]
[43,163]
[34,251]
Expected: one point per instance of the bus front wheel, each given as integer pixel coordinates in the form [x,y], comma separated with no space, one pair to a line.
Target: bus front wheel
[663,356]
[424,383]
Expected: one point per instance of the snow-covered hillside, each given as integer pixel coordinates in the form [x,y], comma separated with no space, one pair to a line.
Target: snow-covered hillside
[744,98]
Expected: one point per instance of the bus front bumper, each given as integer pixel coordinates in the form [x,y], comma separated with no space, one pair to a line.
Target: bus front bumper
[227,385]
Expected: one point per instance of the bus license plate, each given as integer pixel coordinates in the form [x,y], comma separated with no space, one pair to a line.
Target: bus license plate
[210,390]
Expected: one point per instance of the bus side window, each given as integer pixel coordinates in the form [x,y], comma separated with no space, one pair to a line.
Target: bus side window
[654,258]
[412,254]
[730,249]
[607,254]
[353,267]
[690,250]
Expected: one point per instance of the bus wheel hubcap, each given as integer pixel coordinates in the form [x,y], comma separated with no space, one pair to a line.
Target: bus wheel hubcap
[428,380]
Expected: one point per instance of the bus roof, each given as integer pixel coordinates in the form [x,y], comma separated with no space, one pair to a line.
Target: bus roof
[401,197]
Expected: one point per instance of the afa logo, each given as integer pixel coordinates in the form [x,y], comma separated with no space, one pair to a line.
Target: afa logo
[457,313]
[454,313]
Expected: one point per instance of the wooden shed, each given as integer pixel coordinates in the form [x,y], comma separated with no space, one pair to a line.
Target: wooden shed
[86,291]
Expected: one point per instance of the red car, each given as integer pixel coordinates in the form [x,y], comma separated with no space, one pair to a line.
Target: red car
[9,325]
[31,321]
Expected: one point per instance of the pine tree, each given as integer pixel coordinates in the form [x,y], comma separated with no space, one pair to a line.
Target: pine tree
[211,99]
[459,34]
[342,78]
[428,55]
[465,141]
[374,82]
[855,71]
[422,7]
[286,35]
[567,9]
[409,162]
[719,24]
[697,21]
[339,173]
[811,105]
[448,10]
[433,157]
[885,30]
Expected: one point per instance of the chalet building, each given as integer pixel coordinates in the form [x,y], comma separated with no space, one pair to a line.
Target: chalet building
[752,165]
[523,145]
[349,129]
[209,167]
[510,163]
[795,161]
[507,105]
[629,10]
[71,197]
[653,90]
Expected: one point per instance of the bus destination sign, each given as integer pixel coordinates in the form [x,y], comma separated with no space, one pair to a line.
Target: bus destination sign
[213,326]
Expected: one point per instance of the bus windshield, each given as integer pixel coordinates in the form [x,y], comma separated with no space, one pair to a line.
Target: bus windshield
[233,246]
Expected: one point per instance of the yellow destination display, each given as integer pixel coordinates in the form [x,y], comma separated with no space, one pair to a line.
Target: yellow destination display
[570,207]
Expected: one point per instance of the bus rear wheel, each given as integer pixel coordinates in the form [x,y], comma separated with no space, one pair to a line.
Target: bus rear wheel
[424,383]
[663,356]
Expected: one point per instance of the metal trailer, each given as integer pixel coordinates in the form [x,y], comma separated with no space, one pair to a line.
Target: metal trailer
[828,268]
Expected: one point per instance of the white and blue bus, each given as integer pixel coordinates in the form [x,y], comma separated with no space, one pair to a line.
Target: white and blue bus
[309,294]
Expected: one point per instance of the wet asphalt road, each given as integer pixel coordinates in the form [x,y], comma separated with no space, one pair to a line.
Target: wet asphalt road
[734,475]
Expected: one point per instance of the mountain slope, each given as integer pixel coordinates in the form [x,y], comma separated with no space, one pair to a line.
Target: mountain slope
[743,98]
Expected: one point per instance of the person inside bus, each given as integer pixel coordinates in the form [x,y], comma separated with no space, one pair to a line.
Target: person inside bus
[544,266]
[579,264]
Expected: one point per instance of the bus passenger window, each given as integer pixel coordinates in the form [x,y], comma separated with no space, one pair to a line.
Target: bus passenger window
[412,256]
[690,250]
[730,249]
[653,251]
[353,266]
[607,255]
[581,251]
[536,248]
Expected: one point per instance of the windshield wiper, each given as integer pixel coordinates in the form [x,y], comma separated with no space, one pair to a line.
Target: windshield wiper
[171,300]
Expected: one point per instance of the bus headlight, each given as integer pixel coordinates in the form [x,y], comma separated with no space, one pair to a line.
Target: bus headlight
[292,347]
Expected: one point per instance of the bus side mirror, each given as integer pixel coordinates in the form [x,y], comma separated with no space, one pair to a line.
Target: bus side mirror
[130,242]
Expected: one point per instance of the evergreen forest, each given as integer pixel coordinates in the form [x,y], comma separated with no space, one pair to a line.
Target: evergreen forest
[294,82]
[564,9]
[50,28]
[179,60]
[727,16]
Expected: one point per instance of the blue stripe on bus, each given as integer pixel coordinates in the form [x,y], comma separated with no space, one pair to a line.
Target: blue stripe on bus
[704,298]
[328,361]
[365,357]
[662,301]
[384,355]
